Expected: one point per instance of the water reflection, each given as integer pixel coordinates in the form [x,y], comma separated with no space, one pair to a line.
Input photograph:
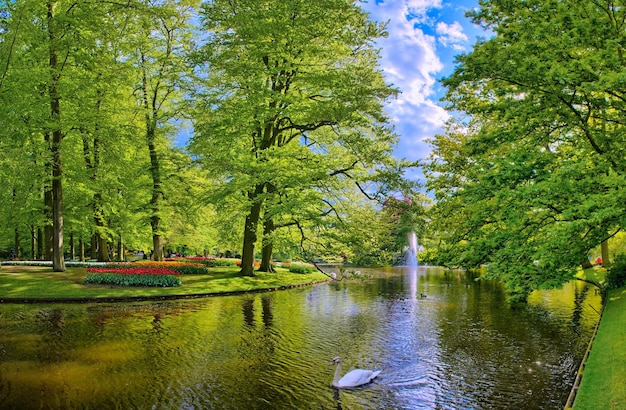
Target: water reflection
[458,347]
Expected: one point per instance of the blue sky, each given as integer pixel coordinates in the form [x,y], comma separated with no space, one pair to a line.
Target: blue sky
[424,37]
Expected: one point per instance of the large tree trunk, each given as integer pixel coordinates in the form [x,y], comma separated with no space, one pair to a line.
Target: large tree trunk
[250,231]
[93,250]
[157,241]
[92,162]
[18,248]
[155,169]
[120,249]
[268,246]
[48,229]
[604,247]
[81,249]
[103,248]
[58,261]
[72,247]
[157,197]
[33,243]
[40,244]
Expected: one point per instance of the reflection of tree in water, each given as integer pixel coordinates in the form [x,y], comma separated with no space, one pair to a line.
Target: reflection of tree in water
[257,343]
[51,324]
[268,317]
[579,298]
[248,312]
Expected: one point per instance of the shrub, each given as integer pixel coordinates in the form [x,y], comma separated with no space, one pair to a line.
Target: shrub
[301,269]
[616,274]
[214,263]
[191,270]
[132,280]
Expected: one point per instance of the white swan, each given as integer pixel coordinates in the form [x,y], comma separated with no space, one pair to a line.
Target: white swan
[353,378]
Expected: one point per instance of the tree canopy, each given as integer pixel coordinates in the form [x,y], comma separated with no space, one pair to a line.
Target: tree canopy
[535,179]
[292,109]
[285,99]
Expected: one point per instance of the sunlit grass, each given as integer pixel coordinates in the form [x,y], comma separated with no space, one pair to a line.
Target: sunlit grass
[41,282]
[595,274]
[603,383]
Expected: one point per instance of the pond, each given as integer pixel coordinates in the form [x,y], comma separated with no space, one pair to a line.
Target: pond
[441,339]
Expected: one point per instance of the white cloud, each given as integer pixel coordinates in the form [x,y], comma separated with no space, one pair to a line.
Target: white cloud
[422,6]
[451,35]
[410,62]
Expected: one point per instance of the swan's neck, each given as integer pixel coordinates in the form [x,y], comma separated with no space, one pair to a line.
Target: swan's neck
[337,373]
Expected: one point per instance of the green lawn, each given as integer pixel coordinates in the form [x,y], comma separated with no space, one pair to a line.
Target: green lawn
[603,384]
[41,282]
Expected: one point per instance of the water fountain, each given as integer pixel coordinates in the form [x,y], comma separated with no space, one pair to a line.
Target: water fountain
[410,258]
[409,255]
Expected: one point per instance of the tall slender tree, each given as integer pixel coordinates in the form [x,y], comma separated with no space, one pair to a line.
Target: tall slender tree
[164,33]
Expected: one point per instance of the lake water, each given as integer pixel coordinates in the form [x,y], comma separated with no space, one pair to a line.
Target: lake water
[460,347]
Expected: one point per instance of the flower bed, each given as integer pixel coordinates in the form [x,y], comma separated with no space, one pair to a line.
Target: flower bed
[134,271]
[185,268]
[120,279]
[125,275]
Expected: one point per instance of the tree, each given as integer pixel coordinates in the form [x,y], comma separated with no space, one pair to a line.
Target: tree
[55,141]
[293,106]
[163,34]
[532,183]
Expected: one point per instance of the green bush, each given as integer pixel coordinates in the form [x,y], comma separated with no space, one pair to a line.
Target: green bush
[301,269]
[190,270]
[215,263]
[616,274]
[132,280]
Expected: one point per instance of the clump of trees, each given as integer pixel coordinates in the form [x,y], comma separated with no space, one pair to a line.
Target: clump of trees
[290,143]
[535,178]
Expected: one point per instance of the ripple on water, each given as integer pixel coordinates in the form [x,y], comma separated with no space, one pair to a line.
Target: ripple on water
[460,347]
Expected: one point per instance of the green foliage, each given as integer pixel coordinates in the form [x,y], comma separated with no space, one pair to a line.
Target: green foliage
[616,274]
[293,268]
[289,99]
[291,115]
[430,256]
[132,280]
[535,179]
[217,262]
[190,270]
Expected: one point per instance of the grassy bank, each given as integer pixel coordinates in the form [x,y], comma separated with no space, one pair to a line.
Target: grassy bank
[26,282]
[603,384]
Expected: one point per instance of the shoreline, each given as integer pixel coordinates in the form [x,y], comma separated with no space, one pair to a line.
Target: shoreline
[143,298]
